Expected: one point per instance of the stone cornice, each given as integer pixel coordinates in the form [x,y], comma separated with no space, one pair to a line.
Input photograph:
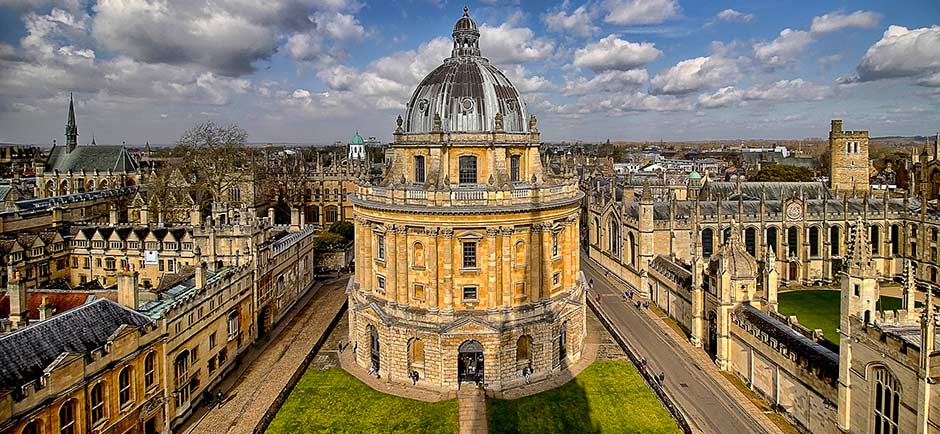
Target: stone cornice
[465,210]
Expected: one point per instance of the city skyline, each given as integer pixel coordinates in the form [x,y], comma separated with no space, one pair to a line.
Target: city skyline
[315,71]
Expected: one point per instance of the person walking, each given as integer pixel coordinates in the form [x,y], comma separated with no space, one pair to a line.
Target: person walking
[220,398]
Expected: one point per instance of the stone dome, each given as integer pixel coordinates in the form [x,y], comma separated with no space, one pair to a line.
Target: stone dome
[466,91]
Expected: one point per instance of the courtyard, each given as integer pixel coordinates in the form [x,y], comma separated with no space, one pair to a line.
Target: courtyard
[819,309]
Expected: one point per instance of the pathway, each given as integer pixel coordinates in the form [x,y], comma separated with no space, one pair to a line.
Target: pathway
[471,411]
[251,392]
[710,402]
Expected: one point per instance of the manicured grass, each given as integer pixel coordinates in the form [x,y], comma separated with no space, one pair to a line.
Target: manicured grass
[333,401]
[819,309]
[608,397]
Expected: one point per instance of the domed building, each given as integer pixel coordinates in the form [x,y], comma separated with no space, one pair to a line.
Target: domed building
[467,249]
[357,149]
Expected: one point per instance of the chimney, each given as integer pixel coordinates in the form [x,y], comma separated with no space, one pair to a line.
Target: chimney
[114,216]
[294,219]
[127,287]
[45,309]
[271,216]
[19,310]
[144,215]
[200,269]
[195,216]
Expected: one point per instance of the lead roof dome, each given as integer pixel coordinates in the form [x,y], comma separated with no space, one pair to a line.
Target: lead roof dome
[466,91]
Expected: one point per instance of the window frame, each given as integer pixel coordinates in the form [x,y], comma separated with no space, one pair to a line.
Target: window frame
[470,261]
[465,173]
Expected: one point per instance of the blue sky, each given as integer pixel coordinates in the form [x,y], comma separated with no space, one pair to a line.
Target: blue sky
[314,71]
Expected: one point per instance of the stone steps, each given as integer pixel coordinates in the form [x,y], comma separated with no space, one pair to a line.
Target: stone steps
[471,410]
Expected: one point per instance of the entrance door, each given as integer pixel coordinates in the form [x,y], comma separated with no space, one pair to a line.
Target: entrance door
[470,362]
[793,271]
[374,348]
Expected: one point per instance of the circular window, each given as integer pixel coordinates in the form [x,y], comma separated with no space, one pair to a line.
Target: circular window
[466,104]
[510,105]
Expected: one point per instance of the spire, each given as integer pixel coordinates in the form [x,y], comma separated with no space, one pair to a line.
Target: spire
[71,128]
[647,195]
[859,255]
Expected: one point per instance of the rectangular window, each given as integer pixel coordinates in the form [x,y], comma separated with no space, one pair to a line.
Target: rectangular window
[169,265]
[556,279]
[858,290]
[212,340]
[520,290]
[469,292]
[381,248]
[469,254]
[160,265]
[419,291]
[555,244]
[419,168]
[514,169]
[468,169]
[380,283]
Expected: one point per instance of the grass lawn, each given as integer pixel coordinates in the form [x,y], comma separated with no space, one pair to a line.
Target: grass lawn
[333,401]
[819,309]
[608,397]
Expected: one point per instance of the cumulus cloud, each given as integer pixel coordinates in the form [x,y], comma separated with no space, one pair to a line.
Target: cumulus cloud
[784,49]
[835,21]
[902,52]
[633,12]
[579,22]
[782,90]
[731,15]
[506,44]
[695,74]
[525,82]
[615,53]
[608,81]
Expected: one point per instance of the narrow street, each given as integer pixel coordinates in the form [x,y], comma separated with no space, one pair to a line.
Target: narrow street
[708,406]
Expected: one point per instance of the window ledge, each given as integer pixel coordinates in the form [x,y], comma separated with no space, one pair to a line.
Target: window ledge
[475,270]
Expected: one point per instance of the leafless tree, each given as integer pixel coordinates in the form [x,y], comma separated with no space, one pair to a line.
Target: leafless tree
[216,158]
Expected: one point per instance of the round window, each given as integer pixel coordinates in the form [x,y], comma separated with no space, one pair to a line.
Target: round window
[466,104]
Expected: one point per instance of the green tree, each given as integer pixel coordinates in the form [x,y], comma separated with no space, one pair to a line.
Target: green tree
[782,173]
[346,229]
[328,240]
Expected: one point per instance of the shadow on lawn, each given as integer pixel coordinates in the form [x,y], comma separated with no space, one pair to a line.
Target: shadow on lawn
[562,410]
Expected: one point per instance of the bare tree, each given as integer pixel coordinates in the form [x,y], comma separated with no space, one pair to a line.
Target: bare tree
[216,157]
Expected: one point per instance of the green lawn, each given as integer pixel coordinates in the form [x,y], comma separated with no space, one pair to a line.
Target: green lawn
[608,397]
[819,309]
[333,401]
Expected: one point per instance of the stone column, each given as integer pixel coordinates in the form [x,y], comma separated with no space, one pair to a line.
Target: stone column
[391,252]
[447,238]
[433,286]
[401,256]
[534,265]
[491,271]
[547,258]
[507,252]
[366,266]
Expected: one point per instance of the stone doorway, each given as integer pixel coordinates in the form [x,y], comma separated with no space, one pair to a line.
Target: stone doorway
[374,348]
[470,362]
[794,269]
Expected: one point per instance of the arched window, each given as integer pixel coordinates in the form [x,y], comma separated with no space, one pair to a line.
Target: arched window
[750,241]
[181,366]
[125,392]
[149,369]
[520,253]
[34,427]
[419,168]
[834,246]
[632,254]
[875,235]
[597,232]
[887,401]
[708,243]
[613,235]
[814,241]
[772,239]
[416,355]
[793,241]
[331,214]
[103,185]
[97,403]
[468,169]
[67,417]
[933,274]
[524,352]
[418,260]
[895,239]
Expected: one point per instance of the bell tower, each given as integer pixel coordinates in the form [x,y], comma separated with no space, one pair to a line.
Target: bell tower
[848,158]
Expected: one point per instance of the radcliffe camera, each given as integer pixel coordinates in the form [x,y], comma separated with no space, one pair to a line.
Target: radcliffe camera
[437,217]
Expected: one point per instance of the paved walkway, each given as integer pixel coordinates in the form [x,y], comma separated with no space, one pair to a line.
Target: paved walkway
[249,394]
[710,402]
[471,411]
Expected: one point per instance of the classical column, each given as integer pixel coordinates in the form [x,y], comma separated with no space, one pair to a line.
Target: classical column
[534,274]
[447,238]
[367,266]
[391,261]
[547,269]
[491,270]
[433,286]
[507,252]
[401,256]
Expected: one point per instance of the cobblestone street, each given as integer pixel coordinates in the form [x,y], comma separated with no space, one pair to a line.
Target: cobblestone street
[268,369]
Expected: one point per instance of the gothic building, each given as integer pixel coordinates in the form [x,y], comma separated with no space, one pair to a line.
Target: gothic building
[464,271]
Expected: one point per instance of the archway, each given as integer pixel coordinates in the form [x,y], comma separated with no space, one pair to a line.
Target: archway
[374,348]
[470,362]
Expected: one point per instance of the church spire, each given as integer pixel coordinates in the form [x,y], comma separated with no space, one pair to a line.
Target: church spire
[71,129]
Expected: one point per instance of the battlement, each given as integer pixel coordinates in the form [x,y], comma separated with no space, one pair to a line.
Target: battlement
[215,284]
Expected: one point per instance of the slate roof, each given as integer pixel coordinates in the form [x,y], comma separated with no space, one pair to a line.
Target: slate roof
[25,353]
[773,190]
[90,158]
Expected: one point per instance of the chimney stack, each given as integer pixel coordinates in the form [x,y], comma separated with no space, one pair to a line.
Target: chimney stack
[200,269]
[19,309]
[45,309]
[114,216]
[195,216]
[294,219]
[127,287]
[270,216]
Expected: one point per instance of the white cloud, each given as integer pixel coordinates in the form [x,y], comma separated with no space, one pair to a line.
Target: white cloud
[526,83]
[835,21]
[695,74]
[783,50]
[782,90]
[723,97]
[506,44]
[902,52]
[615,53]
[633,12]
[732,15]
[578,23]
[608,81]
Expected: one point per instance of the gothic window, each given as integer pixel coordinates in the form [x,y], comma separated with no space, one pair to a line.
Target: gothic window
[887,402]
[834,245]
[814,241]
[895,239]
[124,386]
[181,366]
[469,254]
[597,232]
[514,168]
[97,403]
[632,253]
[419,168]
[34,427]
[934,234]
[793,241]
[772,239]
[149,368]
[468,169]
[875,235]
[707,243]
[331,214]
[613,232]
[750,241]
[418,255]
[234,327]
[933,274]
[67,417]
[725,236]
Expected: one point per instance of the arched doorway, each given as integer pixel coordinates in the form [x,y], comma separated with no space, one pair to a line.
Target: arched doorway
[470,362]
[374,348]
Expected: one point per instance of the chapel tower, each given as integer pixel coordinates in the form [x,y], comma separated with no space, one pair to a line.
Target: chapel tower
[848,159]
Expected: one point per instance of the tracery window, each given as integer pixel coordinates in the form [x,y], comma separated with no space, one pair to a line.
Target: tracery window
[707,243]
[814,241]
[887,402]
[875,240]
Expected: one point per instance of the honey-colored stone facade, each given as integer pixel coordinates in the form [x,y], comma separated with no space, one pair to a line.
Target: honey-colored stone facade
[848,159]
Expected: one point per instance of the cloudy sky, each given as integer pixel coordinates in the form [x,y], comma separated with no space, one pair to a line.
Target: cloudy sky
[314,71]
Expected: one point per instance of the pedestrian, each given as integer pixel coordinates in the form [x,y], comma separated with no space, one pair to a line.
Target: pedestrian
[220,398]
[598,297]
[662,377]
[414,378]
[591,283]
[340,345]
[646,304]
